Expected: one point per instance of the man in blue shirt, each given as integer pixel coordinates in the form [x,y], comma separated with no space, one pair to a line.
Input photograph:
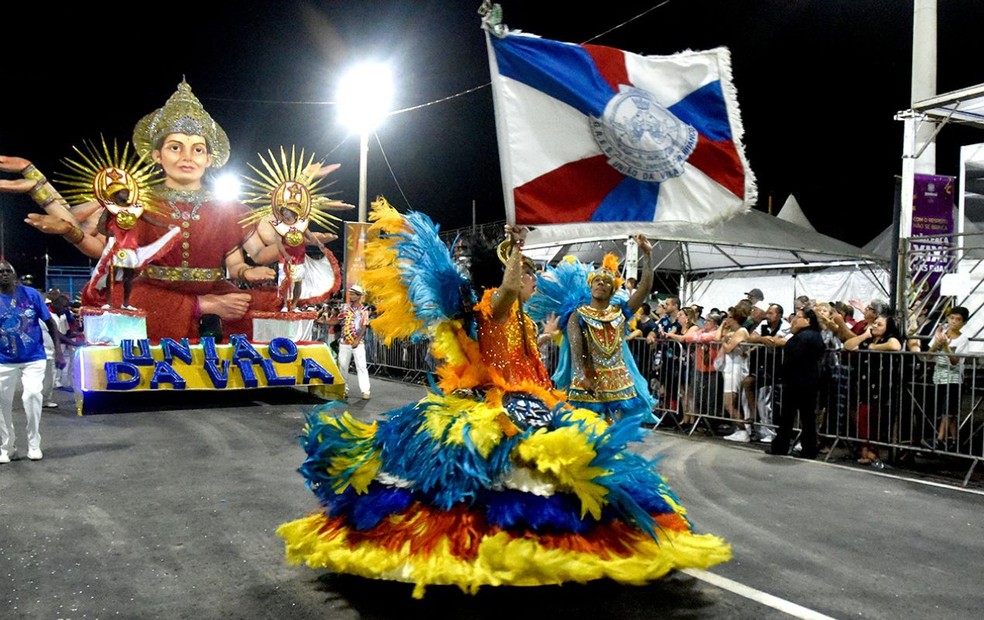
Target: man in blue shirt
[22,359]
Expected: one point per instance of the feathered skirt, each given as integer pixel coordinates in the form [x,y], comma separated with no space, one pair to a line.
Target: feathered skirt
[489,489]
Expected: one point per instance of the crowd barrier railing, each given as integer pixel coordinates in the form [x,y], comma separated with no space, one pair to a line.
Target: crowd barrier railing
[886,400]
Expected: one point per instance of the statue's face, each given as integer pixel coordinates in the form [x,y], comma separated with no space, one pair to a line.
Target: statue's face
[184,159]
[287,216]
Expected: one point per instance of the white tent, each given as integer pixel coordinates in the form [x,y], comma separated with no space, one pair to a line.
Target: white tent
[793,213]
[717,264]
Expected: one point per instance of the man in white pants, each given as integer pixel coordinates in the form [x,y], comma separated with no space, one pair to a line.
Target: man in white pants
[354,320]
[22,359]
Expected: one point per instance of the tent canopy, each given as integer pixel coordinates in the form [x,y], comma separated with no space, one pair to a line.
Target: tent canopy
[752,240]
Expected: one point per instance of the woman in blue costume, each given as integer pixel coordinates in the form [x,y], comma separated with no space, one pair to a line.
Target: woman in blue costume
[493,479]
[597,369]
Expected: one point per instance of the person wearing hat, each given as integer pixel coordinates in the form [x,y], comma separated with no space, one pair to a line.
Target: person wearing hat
[755,295]
[949,344]
[353,317]
[756,314]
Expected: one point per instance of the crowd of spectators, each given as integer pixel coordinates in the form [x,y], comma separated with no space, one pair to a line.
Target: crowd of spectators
[728,365]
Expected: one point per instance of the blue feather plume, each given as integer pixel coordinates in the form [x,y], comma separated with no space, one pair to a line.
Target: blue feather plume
[437,286]
[560,290]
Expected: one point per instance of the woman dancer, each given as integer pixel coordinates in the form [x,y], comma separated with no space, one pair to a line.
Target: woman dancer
[494,479]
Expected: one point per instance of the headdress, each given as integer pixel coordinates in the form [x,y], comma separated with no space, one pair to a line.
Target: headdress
[102,172]
[608,270]
[291,184]
[107,184]
[505,248]
[183,113]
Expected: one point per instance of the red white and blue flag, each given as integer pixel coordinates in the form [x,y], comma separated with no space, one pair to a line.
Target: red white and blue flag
[595,134]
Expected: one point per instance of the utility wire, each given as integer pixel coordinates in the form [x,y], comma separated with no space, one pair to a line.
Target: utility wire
[427,104]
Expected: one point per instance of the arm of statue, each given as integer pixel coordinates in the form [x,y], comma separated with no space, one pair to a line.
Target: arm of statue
[319,239]
[242,272]
[92,245]
[264,246]
[58,218]
[35,184]
[508,291]
[228,306]
[641,293]
[580,372]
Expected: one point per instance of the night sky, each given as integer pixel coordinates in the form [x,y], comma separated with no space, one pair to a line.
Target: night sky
[818,82]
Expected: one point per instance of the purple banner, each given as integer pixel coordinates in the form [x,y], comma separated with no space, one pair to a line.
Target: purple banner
[932,205]
[932,227]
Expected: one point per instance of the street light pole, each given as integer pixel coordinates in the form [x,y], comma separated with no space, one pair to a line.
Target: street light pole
[365,94]
[363,174]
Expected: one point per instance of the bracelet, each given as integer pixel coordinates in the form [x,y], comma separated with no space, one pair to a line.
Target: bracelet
[33,173]
[74,235]
[242,271]
[42,193]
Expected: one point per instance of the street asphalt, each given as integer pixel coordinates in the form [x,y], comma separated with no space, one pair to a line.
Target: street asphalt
[165,505]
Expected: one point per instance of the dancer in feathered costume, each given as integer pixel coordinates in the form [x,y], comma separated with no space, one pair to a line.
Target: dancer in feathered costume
[287,198]
[596,367]
[117,182]
[493,479]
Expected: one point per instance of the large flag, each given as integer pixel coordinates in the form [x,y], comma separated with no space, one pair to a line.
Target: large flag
[596,134]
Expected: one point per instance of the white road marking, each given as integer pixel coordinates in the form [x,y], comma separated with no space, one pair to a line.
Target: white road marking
[794,610]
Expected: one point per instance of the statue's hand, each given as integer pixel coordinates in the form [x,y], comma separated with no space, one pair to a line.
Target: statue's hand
[17,186]
[324,237]
[51,224]
[229,306]
[259,274]
[318,170]
[13,164]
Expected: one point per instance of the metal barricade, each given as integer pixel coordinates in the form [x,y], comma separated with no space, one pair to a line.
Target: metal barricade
[887,400]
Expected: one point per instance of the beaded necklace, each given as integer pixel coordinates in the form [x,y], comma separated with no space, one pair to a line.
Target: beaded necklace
[194,197]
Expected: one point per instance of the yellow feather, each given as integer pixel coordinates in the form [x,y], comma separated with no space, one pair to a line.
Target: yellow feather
[566,454]
[501,559]
[451,417]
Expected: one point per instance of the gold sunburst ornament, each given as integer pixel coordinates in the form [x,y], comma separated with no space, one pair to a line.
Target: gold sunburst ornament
[116,178]
[289,192]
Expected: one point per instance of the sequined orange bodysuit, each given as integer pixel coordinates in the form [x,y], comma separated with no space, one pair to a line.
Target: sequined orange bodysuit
[509,348]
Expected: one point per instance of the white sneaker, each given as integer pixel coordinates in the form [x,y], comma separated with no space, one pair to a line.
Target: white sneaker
[35,454]
[767,438]
[740,435]
[365,396]
[5,456]
[50,405]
